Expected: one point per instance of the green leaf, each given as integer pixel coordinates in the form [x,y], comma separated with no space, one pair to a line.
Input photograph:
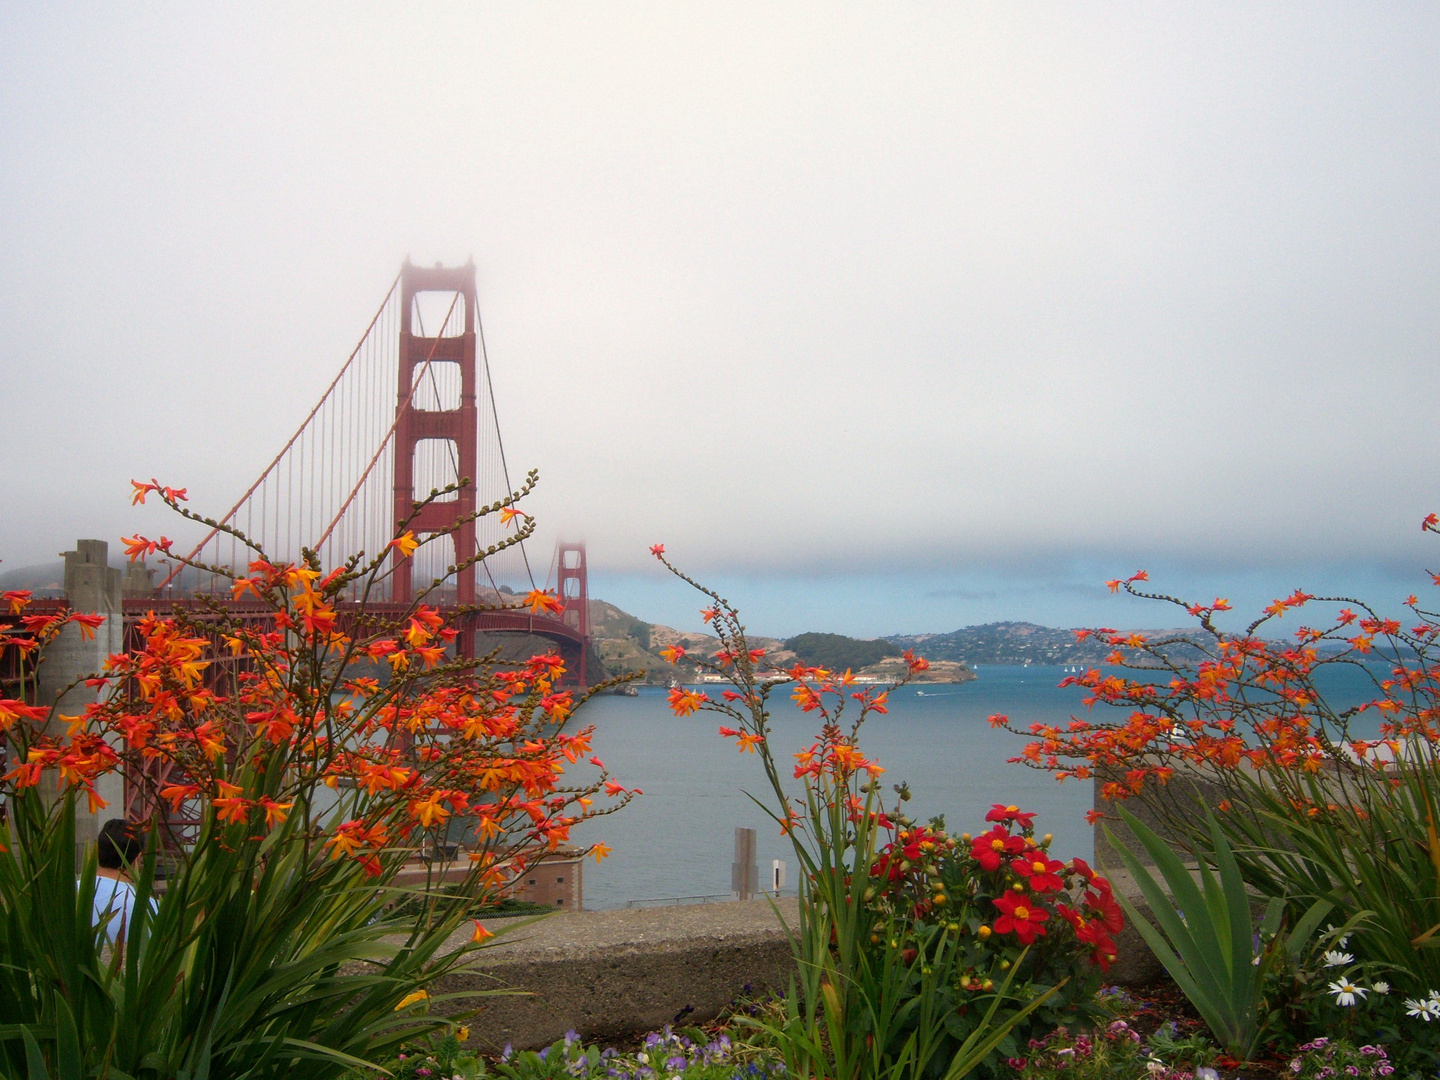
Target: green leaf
[67,1042]
[1208,954]
[34,1060]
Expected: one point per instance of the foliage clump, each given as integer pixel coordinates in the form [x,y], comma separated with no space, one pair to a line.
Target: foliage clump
[289,760]
[836,652]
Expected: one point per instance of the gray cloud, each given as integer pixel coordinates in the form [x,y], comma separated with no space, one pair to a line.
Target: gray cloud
[792,289]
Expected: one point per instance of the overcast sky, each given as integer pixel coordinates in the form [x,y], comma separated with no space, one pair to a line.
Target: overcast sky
[887,318]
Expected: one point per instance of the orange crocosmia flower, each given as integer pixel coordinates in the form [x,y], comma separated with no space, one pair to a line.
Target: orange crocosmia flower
[18,599]
[12,709]
[141,490]
[684,702]
[208,738]
[370,864]
[539,601]
[600,851]
[747,742]
[232,810]
[509,514]
[137,546]
[349,838]
[658,550]
[307,601]
[672,653]
[429,812]
[709,613]
[88,625]
[274,811]
[805,698]
[431,654]
[299,577]
[176,794]
[405,544]
[480,934]
[558,706]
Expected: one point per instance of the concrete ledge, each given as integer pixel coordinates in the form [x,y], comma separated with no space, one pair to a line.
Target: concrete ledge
[609,973]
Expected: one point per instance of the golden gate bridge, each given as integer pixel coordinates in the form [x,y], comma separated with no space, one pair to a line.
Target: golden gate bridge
[411,411]
[358,465]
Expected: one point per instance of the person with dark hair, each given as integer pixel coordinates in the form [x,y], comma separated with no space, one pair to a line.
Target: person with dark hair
[119,849]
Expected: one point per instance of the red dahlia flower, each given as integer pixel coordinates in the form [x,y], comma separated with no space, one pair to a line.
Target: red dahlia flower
[990,849]
[1022,915]
[1041,872]
[1001,812]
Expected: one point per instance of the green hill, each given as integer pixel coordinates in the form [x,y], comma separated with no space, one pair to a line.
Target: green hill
[838,652]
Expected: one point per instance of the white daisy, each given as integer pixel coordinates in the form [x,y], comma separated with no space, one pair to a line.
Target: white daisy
[1422,1010]
[1335,958]
[1330,929]
[1380,986]
[1345,992]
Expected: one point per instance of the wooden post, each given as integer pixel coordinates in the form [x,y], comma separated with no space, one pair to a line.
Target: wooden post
[744,871]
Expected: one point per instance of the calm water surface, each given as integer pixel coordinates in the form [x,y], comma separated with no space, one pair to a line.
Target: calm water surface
[678,838]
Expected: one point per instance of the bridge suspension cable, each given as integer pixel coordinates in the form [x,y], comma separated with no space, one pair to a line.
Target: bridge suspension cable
[335,488]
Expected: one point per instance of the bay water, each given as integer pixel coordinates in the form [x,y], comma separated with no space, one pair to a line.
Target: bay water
[677,839]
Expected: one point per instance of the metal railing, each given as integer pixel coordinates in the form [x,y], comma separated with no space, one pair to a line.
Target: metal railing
[656,901]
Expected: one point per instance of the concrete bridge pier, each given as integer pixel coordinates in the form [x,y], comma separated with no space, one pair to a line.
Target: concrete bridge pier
[91,586]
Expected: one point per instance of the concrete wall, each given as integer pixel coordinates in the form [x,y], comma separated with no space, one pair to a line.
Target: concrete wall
[1185,797]
[612,973]
[92,586]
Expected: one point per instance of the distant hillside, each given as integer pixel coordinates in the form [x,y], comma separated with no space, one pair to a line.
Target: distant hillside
[624,643]
[1006,643]
[44,580]
[1016,643]
[838,652]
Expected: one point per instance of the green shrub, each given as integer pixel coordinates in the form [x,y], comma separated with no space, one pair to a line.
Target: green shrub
[838,652]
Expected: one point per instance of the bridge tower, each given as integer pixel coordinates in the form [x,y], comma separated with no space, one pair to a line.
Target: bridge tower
[572,588]
[414,426]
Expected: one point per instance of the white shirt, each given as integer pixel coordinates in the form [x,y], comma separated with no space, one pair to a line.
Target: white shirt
[115,902]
